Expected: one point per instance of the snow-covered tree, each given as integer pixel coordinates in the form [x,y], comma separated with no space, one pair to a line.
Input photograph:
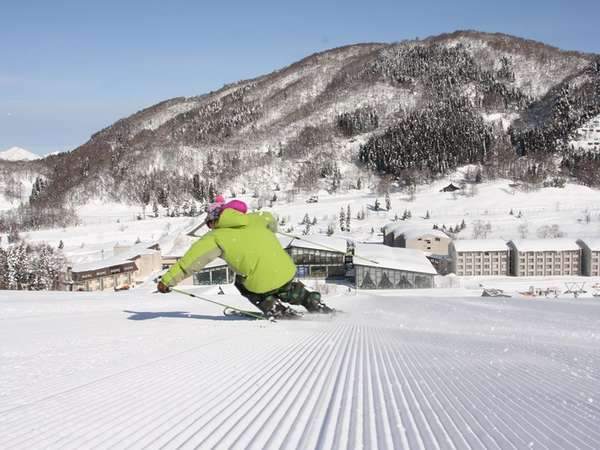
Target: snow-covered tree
[348,217]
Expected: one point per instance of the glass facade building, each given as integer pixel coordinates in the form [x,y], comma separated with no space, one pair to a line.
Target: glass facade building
[368,277]
[314,263]
[214,275]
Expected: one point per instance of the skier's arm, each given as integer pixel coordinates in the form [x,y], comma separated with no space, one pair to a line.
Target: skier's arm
[202,252]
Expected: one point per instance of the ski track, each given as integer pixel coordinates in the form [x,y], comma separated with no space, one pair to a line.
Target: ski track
[359,381]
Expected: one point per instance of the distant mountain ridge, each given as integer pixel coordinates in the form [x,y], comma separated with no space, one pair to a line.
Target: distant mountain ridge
[18,154]
[334,116]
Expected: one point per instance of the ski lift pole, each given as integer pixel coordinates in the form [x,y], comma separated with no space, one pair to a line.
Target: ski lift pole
[324,246]
[244,312]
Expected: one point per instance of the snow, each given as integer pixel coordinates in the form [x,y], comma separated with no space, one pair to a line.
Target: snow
[587,137]
[412,231]
[315,242]
[429,369]
[438,368]
[504,119]
[121,256]
[379,255]
[18,154]
[592,244]
[545,245]
[480,245]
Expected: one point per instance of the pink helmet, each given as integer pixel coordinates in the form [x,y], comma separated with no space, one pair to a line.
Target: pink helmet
[215,209]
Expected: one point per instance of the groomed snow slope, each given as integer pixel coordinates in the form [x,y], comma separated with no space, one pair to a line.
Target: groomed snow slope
[428,369]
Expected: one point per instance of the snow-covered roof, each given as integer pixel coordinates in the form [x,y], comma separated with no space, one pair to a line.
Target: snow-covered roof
[315,242]
[179,248]
[122,256]
[112,261]
[480,245]
[132,251]
[284,240]
[392,258]
[593,244]
[217,262]
[545,245]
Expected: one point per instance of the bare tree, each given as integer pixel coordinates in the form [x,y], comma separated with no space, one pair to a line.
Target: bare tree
[481,229]
[549,232]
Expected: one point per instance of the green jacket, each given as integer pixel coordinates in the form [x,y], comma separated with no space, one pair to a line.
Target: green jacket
[248,243]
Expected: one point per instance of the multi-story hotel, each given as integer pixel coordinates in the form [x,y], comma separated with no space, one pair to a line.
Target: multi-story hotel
[479,257]
[545,257]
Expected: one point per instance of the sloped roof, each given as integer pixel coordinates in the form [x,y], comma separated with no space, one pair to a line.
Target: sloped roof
[387,257]
[593,244]
[314,242]
[122,257]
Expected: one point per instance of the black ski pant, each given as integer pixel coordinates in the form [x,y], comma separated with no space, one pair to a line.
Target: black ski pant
[293,292]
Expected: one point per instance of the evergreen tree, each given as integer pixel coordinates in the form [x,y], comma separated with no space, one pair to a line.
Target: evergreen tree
[197,188]
[376,204]
[3,270]
[212,192]
[348,217]
[163,198]
[388,202]
[342,218]
[306,230]
[427,216]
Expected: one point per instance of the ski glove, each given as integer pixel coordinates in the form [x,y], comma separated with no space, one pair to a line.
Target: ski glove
[163,288]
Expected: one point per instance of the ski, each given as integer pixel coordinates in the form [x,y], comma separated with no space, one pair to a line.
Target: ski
[229,311]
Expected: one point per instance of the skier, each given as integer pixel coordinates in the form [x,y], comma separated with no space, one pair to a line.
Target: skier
[265,272]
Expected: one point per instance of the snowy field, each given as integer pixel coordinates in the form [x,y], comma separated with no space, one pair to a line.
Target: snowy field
[428,369]
[575,210]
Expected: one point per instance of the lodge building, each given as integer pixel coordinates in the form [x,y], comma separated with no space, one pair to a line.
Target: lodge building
[428,240]
[128,266]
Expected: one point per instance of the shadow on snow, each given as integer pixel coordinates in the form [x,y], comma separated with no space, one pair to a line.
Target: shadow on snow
[147,315]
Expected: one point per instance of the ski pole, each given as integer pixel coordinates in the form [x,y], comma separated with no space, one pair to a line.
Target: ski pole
[324,246]
[246,313]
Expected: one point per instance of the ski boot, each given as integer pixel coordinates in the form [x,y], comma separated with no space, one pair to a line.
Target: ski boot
[273,308]
[312,303]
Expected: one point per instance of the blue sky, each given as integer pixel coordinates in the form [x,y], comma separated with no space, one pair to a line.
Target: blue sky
[71,68]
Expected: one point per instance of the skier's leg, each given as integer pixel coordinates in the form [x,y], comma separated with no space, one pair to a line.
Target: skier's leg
[296,293]
[268,303]
[261,301]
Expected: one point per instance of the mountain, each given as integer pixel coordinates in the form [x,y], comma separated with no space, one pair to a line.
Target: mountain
[412,110]
[18,154]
